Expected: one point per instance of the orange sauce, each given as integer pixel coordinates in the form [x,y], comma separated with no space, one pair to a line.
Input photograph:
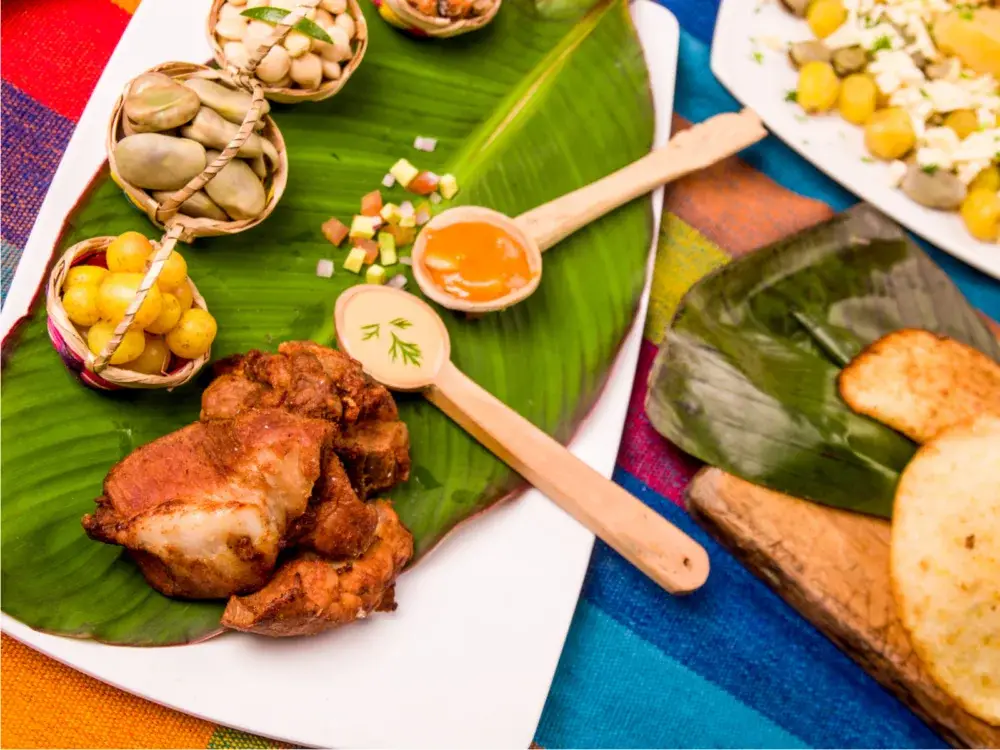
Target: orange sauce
[476,261]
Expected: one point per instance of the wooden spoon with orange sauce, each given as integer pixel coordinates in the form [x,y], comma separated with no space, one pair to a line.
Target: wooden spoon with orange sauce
[476,260]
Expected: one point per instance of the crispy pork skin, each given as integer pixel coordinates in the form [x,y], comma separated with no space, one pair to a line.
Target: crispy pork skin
[310,594]
[204,509]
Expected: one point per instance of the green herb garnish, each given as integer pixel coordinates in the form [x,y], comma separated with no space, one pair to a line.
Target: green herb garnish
[370,331]
[274,16]
[929,168]
[881,43]
[758,58]
[400,323]
[409,351]
[791,95]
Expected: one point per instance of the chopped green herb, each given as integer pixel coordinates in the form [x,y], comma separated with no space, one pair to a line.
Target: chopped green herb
[867,160]
[400,323]
[408,351]
[966,11]
[929,168]
[881,43]
[924,94]
[801,118]
[758,58]
[791,95]
[370,331]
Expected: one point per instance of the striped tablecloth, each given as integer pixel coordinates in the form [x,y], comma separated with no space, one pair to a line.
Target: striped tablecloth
[730,666]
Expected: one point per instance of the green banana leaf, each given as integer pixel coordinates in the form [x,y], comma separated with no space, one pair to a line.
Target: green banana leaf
[745,378]
[523,111]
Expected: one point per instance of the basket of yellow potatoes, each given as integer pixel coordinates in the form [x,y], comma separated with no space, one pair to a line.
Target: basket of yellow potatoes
[123,313]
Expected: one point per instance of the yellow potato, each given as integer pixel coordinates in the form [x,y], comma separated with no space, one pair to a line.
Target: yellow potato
[193,335]
[825,17]
[170,314]
[973,36]
[174,271]
[129,253]
[818,87]
[963,121]
[154,358]
[131,346]
[981,213]
[85,276]
[80,304]
[858,95]
[117,292]
[889,133]
[183,294]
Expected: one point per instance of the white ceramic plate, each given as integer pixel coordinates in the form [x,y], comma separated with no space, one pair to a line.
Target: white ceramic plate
[468,658]
[747,27]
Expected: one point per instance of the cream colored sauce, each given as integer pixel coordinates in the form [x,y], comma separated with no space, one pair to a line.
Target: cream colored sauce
[398,339]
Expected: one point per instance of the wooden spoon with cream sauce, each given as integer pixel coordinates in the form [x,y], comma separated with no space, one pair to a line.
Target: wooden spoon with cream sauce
[403,343]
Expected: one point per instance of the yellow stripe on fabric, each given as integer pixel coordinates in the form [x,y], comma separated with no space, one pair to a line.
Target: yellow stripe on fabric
[47,704]
[224,737]
[683,256]
[128,6]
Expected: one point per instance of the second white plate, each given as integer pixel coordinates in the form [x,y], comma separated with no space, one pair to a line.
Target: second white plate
[745,61]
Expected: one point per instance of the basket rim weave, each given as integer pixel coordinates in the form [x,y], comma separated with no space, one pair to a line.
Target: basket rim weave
[77,345]
[193,227]
[289,95]
[441,27]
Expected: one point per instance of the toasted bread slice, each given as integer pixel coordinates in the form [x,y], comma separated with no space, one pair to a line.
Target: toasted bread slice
[920,383]
[945,562]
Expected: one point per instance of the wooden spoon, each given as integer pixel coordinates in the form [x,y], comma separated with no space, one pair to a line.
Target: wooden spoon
[403,343]
[541,228]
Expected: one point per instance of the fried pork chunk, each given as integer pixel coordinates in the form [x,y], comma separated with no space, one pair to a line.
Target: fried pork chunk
[337,524]
[303,377]
[204,509]
[316,381]
[310,594]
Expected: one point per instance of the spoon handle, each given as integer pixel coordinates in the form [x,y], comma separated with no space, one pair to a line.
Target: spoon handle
[647,540]
[688,151]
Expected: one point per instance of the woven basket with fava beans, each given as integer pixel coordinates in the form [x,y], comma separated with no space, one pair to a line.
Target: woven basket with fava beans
[123,313]
[194,148]
[300,51]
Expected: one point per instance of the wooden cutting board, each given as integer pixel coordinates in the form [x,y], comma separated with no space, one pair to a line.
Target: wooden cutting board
[833,567]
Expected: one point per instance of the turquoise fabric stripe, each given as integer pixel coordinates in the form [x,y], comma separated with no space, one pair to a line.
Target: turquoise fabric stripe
[617,690]
[700,95]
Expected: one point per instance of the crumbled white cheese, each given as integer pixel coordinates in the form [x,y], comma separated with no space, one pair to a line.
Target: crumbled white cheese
[324,268]
[388,181]
[893,70]
[938,148]
[976,152]
[895,172]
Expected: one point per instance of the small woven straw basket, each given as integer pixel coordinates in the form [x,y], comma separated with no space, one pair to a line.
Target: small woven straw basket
[292,95]
[401,14]
[165,215]
[96,370]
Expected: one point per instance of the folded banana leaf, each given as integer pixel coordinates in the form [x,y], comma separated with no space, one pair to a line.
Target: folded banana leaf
[745,378]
